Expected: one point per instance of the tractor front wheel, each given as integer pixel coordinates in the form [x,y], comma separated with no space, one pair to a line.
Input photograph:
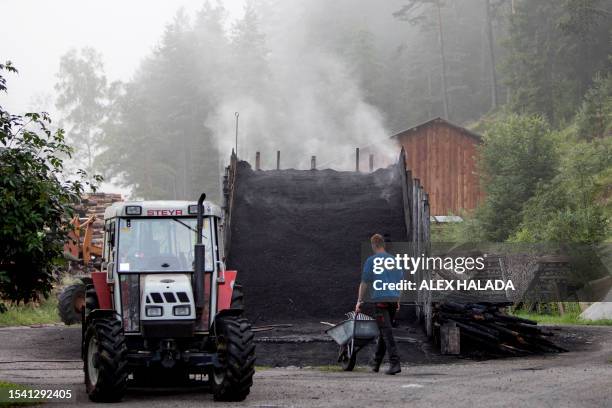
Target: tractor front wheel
[70,303]
[236,354]
[105,355]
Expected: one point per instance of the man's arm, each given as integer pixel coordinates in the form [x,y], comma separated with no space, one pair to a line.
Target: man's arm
[363,287]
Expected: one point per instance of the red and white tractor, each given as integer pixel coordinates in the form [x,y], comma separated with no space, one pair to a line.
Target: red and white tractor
[163,307]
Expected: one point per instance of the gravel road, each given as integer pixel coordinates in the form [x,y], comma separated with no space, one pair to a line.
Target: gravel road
[49,357]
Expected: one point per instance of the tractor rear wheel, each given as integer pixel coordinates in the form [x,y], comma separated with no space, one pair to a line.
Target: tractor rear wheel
[236,354]
[91,299]
[71,302]
[237,297]
[106,369]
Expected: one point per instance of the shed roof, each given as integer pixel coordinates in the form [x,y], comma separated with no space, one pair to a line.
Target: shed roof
[439,121]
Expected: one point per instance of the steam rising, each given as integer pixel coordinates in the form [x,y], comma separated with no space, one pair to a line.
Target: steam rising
[308,102]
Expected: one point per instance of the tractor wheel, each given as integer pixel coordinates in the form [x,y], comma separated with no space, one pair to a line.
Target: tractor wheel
[91,299]
[71,302]
[106,366]
[237,298]
[236,353]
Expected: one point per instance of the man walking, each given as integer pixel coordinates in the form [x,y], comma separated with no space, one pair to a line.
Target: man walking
[386,302]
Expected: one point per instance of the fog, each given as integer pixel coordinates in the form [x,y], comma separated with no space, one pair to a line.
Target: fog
[148,91]
[36,33]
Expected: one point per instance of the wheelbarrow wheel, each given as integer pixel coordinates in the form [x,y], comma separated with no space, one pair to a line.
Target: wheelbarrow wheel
[347,362]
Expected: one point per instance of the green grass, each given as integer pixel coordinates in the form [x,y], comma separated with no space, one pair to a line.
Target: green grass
[567,319]
[26,315]
[5,387]
[337,368]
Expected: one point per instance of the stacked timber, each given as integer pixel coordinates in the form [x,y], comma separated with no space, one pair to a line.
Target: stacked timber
[486,327]
[96,204]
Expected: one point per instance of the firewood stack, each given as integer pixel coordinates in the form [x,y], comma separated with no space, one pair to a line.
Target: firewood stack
[486,327]
[96,204]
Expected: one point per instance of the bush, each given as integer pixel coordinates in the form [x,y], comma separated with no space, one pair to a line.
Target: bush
[35,201]
[517,156]
[571,208]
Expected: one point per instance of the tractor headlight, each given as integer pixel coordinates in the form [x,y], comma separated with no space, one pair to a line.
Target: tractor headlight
[154,311]
[181,310]
[133,210]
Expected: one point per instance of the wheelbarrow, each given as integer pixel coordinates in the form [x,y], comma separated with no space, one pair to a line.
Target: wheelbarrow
[356,332]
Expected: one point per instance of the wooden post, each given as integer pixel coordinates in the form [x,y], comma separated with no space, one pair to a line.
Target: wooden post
[371,163]
[278,160]
[450,339]
[313,163]
[257,161]
[357,159]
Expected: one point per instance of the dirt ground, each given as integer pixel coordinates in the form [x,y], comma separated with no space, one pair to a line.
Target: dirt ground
[49,357]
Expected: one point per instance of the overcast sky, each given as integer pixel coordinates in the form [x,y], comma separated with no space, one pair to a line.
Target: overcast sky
[35,33]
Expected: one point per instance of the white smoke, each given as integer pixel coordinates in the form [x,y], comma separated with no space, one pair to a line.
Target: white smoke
[310,105]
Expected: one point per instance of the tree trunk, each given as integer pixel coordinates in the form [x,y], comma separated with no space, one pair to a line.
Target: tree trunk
[443,61]
[492,73]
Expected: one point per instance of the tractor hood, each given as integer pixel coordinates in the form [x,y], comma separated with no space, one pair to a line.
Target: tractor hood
[167,297]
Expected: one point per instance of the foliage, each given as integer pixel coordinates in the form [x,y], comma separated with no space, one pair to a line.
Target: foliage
[554,50]
[569,208]
[517,156]
[594,119]
[35,201]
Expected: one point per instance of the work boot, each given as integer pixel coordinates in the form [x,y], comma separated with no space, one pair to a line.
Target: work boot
[394,368]
[375,365]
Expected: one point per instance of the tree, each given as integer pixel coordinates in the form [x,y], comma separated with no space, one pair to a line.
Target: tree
[169,153]
[491,52]
[570,208]
[35,201]
[517,156]
[82,92]
[555,48]
[249,55]
[411,12]
[594,118]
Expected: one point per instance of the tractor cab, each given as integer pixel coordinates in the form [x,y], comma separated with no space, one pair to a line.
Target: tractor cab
[149,252]
[165,297]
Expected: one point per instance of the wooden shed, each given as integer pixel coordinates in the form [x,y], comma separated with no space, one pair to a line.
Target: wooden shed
[443,156]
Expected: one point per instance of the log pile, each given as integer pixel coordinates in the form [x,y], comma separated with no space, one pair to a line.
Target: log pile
[96,204]
[486,327]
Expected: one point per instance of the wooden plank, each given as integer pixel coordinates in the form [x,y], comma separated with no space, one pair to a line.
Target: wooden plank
[450,339]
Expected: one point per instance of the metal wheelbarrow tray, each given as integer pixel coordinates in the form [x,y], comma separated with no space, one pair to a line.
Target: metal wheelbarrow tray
[357,331]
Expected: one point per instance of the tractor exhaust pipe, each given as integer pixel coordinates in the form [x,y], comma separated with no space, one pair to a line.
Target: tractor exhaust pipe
[199,254]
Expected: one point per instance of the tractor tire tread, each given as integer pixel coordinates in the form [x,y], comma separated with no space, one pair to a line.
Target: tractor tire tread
[112,360]
[237,297]
[65,306]
[91,299]
[240,356]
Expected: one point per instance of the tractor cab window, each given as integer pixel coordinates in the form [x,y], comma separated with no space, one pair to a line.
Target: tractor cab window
[160,244]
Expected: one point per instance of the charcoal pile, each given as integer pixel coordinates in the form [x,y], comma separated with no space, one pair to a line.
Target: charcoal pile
[296,237]
[485,326]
